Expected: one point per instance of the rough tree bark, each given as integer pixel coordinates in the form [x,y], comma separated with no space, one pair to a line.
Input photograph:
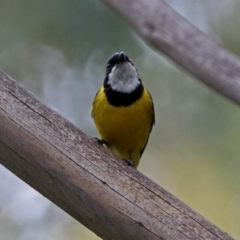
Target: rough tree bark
[69,168]
[173,35]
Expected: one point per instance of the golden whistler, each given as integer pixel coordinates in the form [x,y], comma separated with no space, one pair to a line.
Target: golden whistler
[123,110]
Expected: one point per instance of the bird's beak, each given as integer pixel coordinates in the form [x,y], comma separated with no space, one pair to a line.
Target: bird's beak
[122,57]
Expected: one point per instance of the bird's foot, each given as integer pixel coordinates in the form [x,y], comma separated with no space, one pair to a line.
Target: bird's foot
[101,141]
[129,162]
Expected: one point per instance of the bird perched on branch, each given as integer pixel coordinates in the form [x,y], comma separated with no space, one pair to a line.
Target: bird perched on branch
[123,110]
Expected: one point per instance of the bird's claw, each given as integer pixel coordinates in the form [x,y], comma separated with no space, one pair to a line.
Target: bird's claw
[101,141]
[129,162]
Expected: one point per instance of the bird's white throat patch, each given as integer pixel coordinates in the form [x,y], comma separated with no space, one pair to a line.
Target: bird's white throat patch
[123,78]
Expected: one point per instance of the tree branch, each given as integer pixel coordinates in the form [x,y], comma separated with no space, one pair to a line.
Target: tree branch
[170,33]
[84,179]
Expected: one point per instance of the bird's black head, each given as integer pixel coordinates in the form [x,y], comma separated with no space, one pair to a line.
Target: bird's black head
[122,84]
[117,58]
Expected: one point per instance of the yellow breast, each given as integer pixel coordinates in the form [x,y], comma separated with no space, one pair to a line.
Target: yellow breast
[126,129]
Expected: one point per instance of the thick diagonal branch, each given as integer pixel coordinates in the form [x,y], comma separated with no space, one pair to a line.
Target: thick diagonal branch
[109,197]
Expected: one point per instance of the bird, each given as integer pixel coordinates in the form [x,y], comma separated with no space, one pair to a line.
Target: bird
[123,110]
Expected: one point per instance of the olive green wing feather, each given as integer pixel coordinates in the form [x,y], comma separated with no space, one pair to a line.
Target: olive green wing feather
[152,123]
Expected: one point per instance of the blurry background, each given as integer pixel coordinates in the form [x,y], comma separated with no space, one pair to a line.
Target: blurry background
[58,49]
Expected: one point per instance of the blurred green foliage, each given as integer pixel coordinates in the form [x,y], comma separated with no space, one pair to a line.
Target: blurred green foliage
[58,50]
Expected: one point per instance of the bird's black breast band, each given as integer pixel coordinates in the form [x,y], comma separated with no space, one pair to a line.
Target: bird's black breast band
[119,99]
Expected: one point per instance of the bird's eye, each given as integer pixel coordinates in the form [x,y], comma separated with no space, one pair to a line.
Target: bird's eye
[108,65]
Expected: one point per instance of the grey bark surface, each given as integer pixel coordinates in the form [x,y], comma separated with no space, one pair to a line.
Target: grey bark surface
[69,168]
[161,26]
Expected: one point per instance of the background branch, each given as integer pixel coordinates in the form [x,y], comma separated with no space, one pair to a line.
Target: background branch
[84,179]
[170,33]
